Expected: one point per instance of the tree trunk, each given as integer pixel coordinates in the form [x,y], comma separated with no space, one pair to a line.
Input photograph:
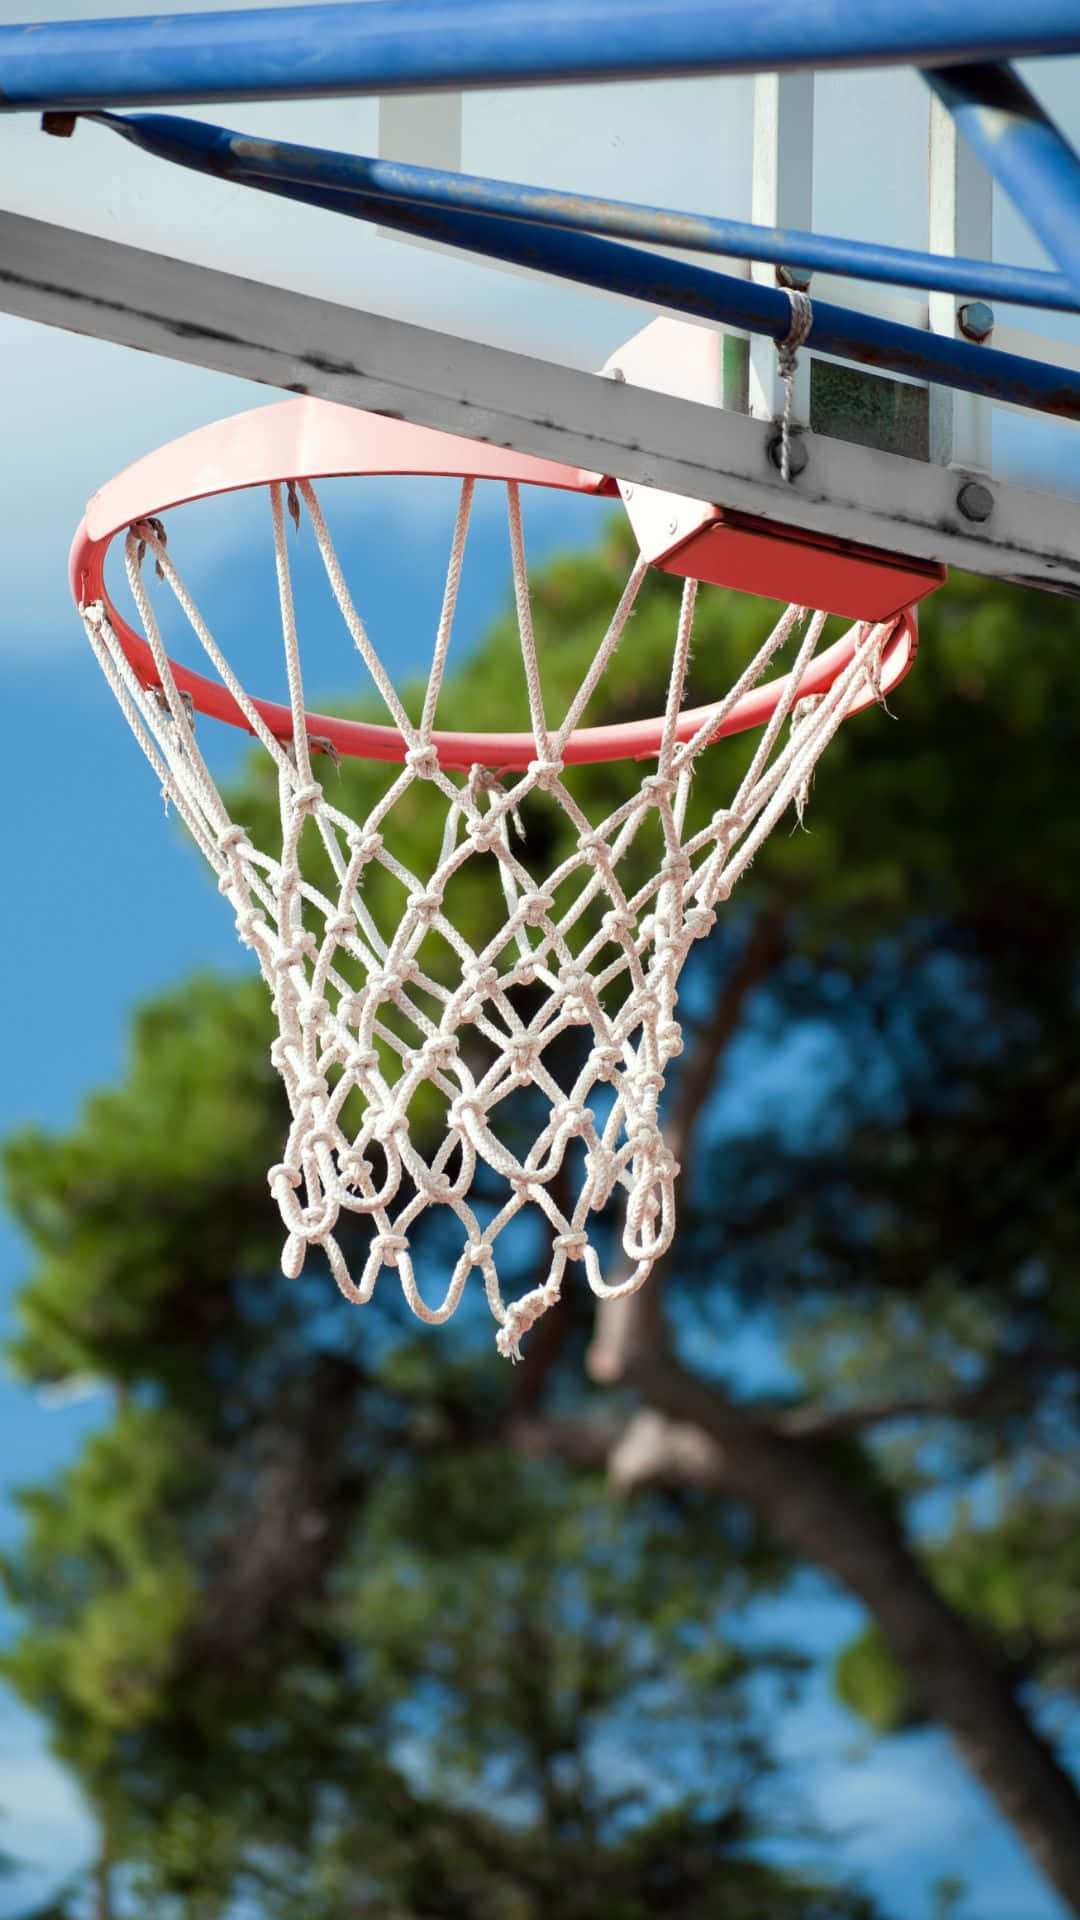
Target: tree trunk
[103,1906]
[956,1676]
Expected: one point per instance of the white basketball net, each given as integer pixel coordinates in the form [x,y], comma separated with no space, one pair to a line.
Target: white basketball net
[362,1009]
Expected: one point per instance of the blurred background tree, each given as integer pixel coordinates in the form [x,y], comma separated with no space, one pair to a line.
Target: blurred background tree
[347,1617]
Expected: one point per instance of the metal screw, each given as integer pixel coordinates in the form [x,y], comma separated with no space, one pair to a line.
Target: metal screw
[975,320]
[975,501]
[798,278]
[673,526]
[797,453]
[616,373]
[628,493]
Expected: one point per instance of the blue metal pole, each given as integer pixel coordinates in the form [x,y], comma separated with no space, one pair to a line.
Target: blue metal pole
[1023,149]
[382,46]
[245,157]
[680,286]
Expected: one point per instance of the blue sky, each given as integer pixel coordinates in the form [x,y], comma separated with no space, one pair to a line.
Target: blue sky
[108,904]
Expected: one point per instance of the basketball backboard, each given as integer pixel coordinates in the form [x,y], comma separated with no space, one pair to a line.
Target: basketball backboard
[867,154]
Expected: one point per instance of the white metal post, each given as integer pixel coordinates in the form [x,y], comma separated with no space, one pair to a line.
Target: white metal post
[960,222]
[422,127]
[782,196]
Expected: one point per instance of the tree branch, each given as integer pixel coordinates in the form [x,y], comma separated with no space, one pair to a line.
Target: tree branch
[793,1489]
[1013,1382]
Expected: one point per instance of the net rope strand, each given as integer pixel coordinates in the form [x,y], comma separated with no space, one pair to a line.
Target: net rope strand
[370,1025]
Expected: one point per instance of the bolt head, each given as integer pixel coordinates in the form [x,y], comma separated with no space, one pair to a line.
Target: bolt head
[975,320]
[798,278]
[673,526]
[975,501]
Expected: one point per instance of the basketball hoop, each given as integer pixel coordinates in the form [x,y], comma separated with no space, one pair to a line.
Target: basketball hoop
[380,1021]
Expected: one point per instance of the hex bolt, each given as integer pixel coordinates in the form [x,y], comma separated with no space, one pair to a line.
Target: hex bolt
[975,320]
[975,501]
[616,373]
[797,453]
[798,278]
[60,124]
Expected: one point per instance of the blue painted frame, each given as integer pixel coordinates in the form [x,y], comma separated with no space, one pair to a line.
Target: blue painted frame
[679,286]
[416,44]
[409,45]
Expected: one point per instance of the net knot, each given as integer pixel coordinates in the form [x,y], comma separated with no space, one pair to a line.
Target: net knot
[644,1140]
[675,868]
[604,1062]
[532,911]
[573,1244]
[595,846]
[728,822]
[313,1088]
[658,786]
[381,984]
[698,921]
[232,837]
[545,773]
[522,1055]
[440,1050]
[618,923]
[527,1183]
[283,1175]
[296,953]
[481,984]
[305,799]
[388,1246]
[359,1062]
[487,830]
[365,844]
[465,1109]
[251,926]
[426,906]
[340,926]
[574,1120]
[423,761]
[669,1039]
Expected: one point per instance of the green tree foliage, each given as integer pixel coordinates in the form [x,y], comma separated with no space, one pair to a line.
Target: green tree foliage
[303,1623]
[346,1617]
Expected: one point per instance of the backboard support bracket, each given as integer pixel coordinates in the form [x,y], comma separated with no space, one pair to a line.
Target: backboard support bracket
[292,341]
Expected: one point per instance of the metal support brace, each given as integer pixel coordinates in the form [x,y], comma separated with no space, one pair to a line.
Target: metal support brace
[406,46]
[960,222]
[1005,125]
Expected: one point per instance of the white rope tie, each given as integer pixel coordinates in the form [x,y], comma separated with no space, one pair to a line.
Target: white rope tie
[787,359]
[400,1038]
